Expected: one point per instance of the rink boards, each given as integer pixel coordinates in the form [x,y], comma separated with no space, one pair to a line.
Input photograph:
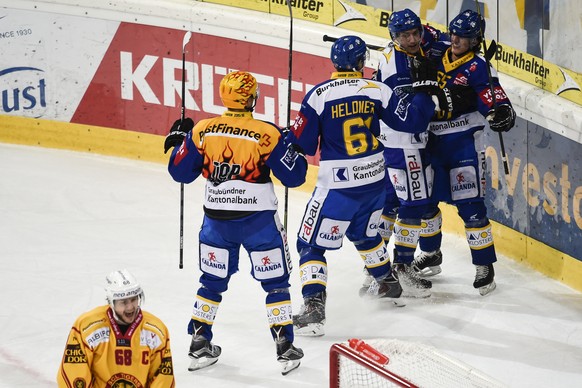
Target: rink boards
[109,81]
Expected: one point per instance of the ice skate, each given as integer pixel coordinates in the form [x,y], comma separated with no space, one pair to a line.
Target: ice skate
[484,279]
[412,284]
[387,287]
[428,263]
[203,353]
[311,318]
[367,278]
[288,355]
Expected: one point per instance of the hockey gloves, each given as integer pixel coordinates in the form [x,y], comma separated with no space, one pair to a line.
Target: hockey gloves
[501,119]
[290,141]
[423,72]
[177,133]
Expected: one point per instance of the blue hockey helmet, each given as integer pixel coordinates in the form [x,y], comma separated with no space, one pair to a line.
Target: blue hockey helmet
[401,21]
[349,53]
[468,24]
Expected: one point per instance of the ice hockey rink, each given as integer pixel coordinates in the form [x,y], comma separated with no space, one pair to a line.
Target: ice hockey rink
[67,219]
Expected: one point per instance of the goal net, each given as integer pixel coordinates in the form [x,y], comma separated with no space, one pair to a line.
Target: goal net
[393,363]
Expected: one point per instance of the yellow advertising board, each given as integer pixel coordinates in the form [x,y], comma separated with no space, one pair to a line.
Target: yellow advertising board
[374,21]
[536,71]
[254,5]
[360,18]
[318,11]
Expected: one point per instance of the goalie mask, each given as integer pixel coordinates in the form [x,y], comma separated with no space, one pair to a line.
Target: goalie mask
[349,53]
[122,285]
[236,88]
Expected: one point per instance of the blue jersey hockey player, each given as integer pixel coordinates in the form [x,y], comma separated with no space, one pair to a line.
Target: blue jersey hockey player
[341,117]
[457,152]
[407,160]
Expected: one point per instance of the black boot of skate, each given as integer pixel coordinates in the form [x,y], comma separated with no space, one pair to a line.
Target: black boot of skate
[386,287]
[311,318]
[202,352]
[484,279]
[412,284]
[428,263]
[288,355]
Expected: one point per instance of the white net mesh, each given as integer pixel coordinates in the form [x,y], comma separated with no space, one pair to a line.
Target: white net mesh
[419,364]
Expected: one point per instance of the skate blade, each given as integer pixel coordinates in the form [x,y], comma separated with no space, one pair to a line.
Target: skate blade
[199,363]
[416,293]
[396,302]
[429,271]
[309,330]
[485,290]
[289,366]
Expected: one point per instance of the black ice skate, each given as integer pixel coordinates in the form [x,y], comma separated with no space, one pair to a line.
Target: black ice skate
[311,318]
[288,355]
[203,353]
[387,287]
[428,263]
[484,279]
[412,284]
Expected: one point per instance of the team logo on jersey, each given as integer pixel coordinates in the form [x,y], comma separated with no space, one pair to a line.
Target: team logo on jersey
[166,367]
[79,382]
[74,355]
[123,380]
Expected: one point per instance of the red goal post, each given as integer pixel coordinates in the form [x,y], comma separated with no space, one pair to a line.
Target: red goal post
[377,371]
[354,364]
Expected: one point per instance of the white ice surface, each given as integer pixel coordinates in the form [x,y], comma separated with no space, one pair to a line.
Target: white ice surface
[67,219]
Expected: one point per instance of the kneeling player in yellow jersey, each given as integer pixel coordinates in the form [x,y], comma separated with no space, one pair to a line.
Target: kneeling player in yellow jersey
[119,344]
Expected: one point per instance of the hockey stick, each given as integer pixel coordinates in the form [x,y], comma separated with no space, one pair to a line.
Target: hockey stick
[487,60]
[327,38]
[187,37]
[289,80]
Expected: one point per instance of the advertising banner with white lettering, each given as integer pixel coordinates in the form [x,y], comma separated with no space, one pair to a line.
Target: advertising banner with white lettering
[542,195]
[128,76]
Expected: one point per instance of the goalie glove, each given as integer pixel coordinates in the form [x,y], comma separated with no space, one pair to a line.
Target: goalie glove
[178,132]
[501,119]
